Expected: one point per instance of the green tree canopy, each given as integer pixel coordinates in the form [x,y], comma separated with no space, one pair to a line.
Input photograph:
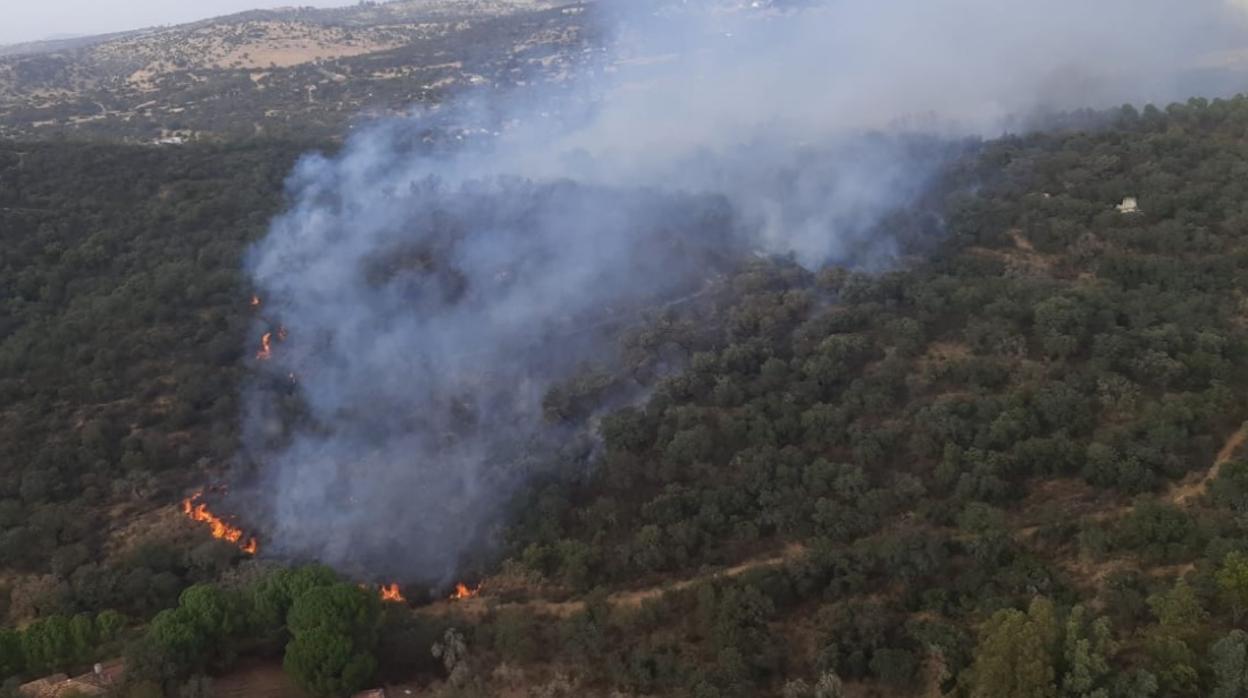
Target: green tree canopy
[334,632]
[328,663]
[1228,658]
[1232,581]
[274,594]
[1015,656]
[1087,650]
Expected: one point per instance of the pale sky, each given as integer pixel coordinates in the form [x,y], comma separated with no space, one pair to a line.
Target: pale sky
[30,20]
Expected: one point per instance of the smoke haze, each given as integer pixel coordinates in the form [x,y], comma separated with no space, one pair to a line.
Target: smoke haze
[434,294]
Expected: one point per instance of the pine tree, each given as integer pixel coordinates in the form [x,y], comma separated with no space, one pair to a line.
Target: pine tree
[1086,653]
[1015,656]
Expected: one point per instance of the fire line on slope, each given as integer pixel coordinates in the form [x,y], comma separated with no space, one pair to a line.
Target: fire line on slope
[198,511]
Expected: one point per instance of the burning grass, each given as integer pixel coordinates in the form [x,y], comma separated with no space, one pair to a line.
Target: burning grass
[463,591]
[196,510]
[391,592]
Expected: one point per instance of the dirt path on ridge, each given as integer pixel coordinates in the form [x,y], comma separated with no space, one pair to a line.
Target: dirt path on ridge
[1190,488]
[632,598]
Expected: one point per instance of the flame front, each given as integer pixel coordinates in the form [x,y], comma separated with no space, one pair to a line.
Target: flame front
[266,347]
[390,592]
[462,591]
[198,511]
[255,301]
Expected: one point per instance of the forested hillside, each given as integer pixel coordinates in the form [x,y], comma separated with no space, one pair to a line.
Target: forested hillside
[121,336]
[1010,466]
[293,71]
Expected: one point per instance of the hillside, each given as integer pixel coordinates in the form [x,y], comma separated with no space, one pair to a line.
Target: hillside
[675,348]
[304,71]
[1028,437]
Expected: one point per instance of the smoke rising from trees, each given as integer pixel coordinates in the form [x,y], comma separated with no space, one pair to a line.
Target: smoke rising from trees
[434,294]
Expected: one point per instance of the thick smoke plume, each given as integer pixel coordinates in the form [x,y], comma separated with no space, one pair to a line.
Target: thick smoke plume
[434,294]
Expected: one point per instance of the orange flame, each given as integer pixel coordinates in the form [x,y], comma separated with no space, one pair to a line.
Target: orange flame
[390,592]
[255,301]
[462,591]
[198,511]
[266,347]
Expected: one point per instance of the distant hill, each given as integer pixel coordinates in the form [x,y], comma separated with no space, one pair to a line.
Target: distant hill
[53,44]
[277,71]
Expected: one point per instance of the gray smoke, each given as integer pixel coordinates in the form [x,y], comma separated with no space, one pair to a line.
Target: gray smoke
[433,295]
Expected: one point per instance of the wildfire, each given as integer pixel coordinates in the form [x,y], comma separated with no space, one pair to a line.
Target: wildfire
[255,301]
[462,591]
[266,343]
[266,347]
[198,511]
[390,592]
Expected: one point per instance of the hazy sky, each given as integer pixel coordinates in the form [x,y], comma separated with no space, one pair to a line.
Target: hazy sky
[27,20]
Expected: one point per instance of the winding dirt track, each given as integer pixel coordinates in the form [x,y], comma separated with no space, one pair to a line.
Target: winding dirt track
[1188,489]
[633,598]
[1180,493]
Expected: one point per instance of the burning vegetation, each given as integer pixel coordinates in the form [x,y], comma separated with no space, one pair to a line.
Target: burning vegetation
[266,347]
[463,591]
[198,511]
[266,343]
[390,592]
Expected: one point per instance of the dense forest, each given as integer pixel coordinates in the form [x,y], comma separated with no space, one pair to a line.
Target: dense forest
[122,332]
[1008,467]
